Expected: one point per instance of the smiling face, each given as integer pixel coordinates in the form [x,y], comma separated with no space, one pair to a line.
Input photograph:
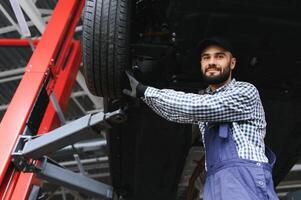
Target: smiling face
[217,65]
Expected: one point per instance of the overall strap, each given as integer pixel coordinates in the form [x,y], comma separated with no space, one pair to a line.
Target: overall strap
[219,144]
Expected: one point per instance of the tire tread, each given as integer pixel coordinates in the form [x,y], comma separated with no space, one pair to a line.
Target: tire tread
[105,45]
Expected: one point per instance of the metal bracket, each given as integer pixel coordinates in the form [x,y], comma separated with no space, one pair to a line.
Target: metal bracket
[19,161]
[57,108]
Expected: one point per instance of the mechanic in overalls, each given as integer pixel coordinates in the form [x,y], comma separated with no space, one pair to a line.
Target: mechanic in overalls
[231,119]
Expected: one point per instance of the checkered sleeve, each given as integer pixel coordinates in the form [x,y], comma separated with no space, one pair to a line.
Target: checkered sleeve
[235,104]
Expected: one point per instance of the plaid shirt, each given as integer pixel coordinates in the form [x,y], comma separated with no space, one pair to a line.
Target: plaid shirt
[237,103]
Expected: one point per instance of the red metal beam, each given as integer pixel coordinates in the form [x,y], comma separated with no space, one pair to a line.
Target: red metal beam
[56,54]
[16,42]
[62,90]
[62,93]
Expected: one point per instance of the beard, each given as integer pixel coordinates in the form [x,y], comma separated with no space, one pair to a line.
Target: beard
[217,79]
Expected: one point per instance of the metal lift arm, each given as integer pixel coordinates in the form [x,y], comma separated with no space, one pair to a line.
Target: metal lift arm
[58,175]
[29,149]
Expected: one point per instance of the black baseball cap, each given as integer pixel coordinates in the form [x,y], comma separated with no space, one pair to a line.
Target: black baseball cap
[215,40]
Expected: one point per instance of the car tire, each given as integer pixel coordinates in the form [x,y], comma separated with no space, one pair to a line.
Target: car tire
[105,46]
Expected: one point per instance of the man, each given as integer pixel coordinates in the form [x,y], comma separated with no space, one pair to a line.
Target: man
[231,119]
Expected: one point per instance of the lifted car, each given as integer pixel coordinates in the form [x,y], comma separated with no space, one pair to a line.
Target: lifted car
[157,39]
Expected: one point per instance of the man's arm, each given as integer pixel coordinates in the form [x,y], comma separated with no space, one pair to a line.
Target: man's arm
[235,104]
[230,105]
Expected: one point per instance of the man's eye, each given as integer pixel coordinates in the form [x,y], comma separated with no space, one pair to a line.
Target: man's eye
[220,56]
[205,57]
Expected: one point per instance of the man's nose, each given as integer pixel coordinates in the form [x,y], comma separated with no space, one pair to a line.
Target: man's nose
[212,61]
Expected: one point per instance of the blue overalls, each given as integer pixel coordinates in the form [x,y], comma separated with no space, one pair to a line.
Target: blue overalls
[230,177]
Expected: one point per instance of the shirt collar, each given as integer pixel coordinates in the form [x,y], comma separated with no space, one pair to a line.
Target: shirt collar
[209,91]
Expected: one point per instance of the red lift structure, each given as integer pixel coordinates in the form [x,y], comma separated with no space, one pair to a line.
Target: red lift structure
[35,109]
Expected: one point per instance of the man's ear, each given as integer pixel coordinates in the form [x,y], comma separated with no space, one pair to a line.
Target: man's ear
[233,63]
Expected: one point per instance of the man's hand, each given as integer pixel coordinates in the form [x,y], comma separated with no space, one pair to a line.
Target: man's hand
[138,88]
[133,83]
